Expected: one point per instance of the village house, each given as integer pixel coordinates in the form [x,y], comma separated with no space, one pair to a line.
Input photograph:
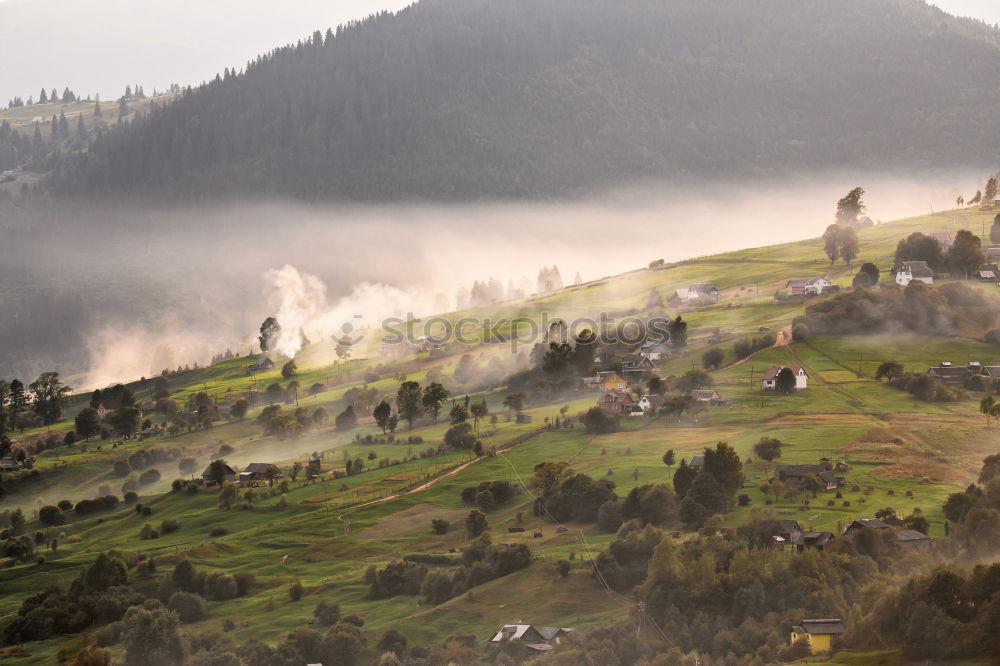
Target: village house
[259,474]
[228,477]
[990,371]
[261,364]
[702,290]
[807,286]
[943,238]
[986,274]
[950,374]
[655,351]
[815,540]
[534,640]
[710,396]
[697,462]
[107,405]
[522,418]
[913,540]
[651,403]
[793,474]
[616,402]
[820,634]
[871,523]
[637,365]
[612,381]
[770,381]
[909,271]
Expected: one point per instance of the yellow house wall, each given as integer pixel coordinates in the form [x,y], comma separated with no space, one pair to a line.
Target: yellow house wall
[818,642]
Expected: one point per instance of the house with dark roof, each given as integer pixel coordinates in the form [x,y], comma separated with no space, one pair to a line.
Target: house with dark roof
[260,364]
[909,271]
[913,540]
[706,395]
[108,404]
[637,364]
[953,375]
[807,286]
[701,290]
[990,371]
[770,381]
[655,351]
[534,640]
[815,540]
[697,462]
[820,634]
[256,474]
[229,475]
[870,523]
[651,402]
[616,402]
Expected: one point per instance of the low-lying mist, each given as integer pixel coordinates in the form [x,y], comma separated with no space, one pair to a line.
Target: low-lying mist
[97,293]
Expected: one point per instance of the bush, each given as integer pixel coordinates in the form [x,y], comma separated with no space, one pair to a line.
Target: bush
[295,591]
[131,497]
[743,499]
[147,532]
[563,567]
[610,516]
[65,505]
[598,422]
[220,586]
[327,613]
[189,607]
[244,581]
[440,526]
[148,477]
[169,526]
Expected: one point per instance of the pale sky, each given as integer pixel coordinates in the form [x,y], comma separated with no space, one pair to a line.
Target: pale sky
[100,46]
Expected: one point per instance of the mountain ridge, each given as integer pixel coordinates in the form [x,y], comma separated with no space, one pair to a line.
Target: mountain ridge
[476,100]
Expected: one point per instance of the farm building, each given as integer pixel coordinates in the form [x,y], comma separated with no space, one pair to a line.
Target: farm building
[909,271]
[651,402]
[871,523]
[706,395]
[655,351]
[616,402]
[807,286]
[820,634]
[228,477]
[949,374]
[261,364]
[770,381]
[913,540]
[257,473]
[814,540]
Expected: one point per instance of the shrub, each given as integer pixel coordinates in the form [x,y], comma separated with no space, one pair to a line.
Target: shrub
[743,499]
[169,526]
[295,591]
[147,532]
[327,613]
[148,477]
[563,567]
[440,526]
[131,497]
[244,581]
[189,607]
[610,516]
[220,586]
[65,505]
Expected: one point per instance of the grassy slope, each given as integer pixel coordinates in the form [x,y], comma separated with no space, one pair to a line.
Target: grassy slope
[841,415]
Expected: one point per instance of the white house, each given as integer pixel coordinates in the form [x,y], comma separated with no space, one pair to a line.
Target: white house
[655,351]
[651,402]
[806,286]
[702,290]
[909,271]
[771,377]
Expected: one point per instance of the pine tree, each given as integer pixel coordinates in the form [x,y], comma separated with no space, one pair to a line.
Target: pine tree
[81,131]
[43,97]
[97,107]
[63,125]
[990,194]
[55,128]
[54,97]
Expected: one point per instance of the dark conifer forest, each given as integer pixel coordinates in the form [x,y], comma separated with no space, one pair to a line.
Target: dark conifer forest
[473,99]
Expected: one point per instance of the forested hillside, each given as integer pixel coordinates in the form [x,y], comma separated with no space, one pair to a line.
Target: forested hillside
[457,99]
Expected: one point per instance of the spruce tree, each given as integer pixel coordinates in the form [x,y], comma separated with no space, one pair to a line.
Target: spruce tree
[43,97]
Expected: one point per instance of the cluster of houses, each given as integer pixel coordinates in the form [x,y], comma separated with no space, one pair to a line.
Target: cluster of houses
[254,475]
[534,640]
[793,536]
